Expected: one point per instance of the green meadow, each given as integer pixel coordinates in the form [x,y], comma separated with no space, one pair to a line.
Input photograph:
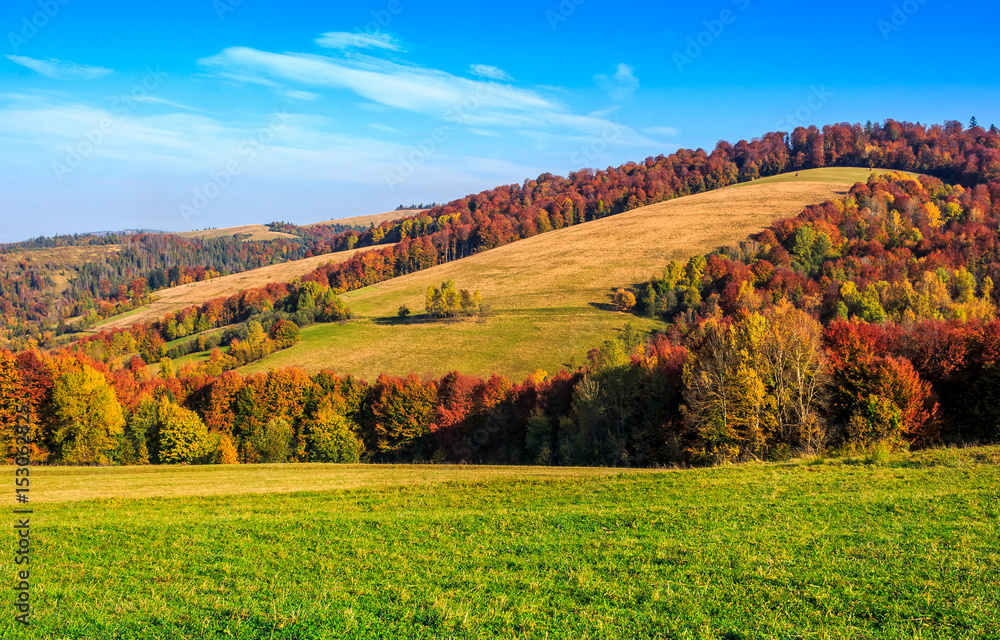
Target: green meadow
[904,547]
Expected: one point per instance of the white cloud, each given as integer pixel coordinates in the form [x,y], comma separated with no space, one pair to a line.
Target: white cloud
[61,69]
[169,103]
[396,85]
[345,40]
[435,93]
[661,131]
[382,127]
[621,86]
[306,96]
[491,73]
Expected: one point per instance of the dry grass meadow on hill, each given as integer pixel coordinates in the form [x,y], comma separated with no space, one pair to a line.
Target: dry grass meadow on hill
[550,294]
[263,232]
[252,231]
[364,221]
[196,293]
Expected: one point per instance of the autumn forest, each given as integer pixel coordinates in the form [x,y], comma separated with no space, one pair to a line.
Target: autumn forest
[866,321]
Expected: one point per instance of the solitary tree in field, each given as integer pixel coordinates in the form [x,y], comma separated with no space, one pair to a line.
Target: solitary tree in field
[624,300]
[448,301]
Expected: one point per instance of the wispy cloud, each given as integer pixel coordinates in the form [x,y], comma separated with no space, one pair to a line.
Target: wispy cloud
[432,92]
[390,83]
[489,72]
[306,96]
[661,131]
[382,127]
[345,40]
[169,103]
[621,86]
[61,69]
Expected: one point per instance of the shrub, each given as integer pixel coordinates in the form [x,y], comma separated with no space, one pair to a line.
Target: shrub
[624,300]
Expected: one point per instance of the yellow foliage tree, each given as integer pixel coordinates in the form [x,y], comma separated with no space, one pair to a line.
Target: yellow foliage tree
[88,418]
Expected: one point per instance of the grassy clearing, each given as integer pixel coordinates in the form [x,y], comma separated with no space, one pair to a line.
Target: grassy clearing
[817,549]
[834,175]
[248,231]
[507,343]
[196,293]
[364,221]
[557,285]
[118,319]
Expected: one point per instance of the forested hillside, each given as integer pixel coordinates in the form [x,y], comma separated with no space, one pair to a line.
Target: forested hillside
[148,262]
[864,322]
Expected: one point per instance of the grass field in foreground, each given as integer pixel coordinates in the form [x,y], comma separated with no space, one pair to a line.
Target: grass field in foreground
[825,549]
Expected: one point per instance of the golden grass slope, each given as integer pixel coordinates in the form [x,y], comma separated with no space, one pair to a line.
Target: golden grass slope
[550,293]
[251,231]
[582,264]
[376,219]
[196,293]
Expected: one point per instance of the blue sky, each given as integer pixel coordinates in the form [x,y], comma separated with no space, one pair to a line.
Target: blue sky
[187,114]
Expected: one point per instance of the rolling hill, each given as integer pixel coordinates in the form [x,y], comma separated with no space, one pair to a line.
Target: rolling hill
[557,285]
[247,231]
[176,298]
[364,221]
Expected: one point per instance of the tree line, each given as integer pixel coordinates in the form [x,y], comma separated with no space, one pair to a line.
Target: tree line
[866,321]
[958,155]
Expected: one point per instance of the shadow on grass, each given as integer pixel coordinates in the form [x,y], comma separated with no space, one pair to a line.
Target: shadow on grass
[603,306]
[396,321]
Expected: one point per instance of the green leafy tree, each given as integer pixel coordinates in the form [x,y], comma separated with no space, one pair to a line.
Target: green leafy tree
[331,437]
[88,418]
[448,302]
[285,334]
[402,412]
[181,435]
[273,441]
